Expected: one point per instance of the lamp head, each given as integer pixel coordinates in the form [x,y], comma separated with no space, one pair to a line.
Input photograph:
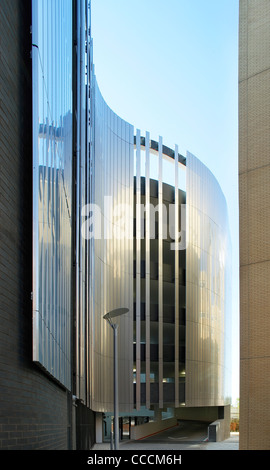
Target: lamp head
[115,313]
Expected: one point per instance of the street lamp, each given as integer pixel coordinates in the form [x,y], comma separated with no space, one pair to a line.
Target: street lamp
[109,318]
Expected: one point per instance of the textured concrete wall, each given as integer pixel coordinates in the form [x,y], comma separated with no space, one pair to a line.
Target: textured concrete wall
[33,409]
[219,430]
[200,413]
[254,200]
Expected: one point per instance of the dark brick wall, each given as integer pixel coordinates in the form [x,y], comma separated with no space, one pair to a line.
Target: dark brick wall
[85,427]
[33,408]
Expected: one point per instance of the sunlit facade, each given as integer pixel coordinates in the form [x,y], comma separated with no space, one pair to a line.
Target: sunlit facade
[181,313]
[208,290]
[94,251]
[254,197]
[52,186]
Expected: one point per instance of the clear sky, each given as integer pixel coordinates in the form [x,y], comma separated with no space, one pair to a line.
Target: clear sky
[171,68]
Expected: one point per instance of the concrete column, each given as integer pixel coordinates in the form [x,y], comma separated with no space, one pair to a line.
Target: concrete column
[99,428]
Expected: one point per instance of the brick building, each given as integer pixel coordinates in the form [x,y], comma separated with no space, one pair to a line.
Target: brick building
[254,199]
[28,415]
[35,409]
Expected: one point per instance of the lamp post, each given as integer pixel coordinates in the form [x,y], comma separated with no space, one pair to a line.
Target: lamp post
[108,317]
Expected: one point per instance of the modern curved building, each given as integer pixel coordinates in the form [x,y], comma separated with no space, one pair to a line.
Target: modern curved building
[163,251]
[118,221]
[150,235]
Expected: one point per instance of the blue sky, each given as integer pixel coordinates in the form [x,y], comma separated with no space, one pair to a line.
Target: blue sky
[171,68]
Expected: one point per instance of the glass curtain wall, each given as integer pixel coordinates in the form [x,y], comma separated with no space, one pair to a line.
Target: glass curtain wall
[52,185]
[83,144]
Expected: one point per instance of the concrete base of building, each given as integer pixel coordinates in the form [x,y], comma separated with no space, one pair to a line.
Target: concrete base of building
[219,418]
[148,429]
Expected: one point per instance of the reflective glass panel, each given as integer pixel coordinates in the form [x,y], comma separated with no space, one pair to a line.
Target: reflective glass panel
[52,185]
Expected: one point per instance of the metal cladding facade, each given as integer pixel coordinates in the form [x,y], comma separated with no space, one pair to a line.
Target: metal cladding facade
[111,254]
[208,290]
[182,317]
[94,251]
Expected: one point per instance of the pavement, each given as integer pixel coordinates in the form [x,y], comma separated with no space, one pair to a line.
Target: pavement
[167,442]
